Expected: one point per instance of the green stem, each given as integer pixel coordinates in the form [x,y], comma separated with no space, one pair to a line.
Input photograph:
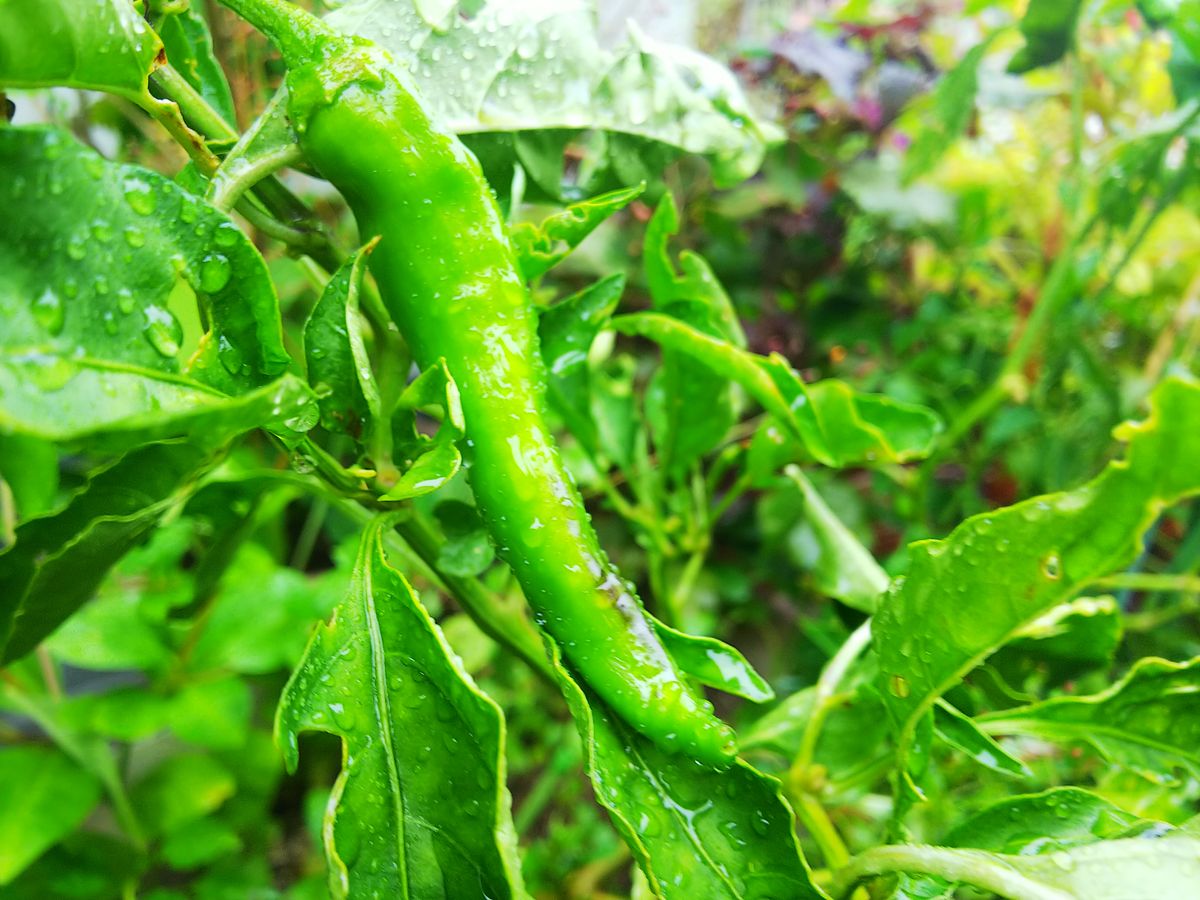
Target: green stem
[826,689]
[296,32]
[195,110]
[976,867]
[1147,581]
[816,821]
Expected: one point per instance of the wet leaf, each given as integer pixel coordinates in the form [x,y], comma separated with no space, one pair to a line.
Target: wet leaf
[381,676]
[427,462]
[102,45]
[967,595]
[543,245]
[1149,721]
[189,47]
[964,735]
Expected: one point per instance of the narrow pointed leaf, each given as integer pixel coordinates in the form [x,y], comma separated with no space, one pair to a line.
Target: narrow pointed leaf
[961,733]
[381,677]
[427,463]
[189,47]
[542,246]
[967,595]
[694,831]
[1048,27]
[714,663]
[1149,721]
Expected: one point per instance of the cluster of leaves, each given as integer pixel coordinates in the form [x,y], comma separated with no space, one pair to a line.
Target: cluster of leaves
[256,640]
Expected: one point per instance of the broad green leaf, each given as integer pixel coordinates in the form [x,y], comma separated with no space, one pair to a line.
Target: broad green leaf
[420,808]
[961,733]
[544,245]
[832,423]
[841,566]
[467,549]
[1048,27]
[189,48]
[102,45]
[951,108]
[339,369]
[693,830]
[566,332]
[967,595]
[513,66]
[45,797]
[59,560]
[1149,721]
[684,385]
[1064,643]
[427,462]
[137,313]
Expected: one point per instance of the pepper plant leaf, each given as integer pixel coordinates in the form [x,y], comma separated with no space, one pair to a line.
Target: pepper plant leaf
[103,45]
[381,676]
[427,462]
[45,797]
[1149,721]
[964,735]
[189,47]
[829,421]
[1048,27]
[540,69]
[693,830]
[967,595]
[542,246]
[60,559]
[131,308]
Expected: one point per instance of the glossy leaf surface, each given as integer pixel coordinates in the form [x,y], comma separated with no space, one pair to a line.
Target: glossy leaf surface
[102,45]
[694,831]
[381,677]
[967,595]
[102,305]
[543,245]
[1149,721]
[189,47]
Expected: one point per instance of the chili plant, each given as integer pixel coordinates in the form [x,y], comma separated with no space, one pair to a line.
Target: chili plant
[354,483]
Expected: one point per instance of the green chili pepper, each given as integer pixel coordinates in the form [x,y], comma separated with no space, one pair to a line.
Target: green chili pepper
[448,275]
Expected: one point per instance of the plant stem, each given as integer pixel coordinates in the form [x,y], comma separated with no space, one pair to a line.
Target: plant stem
[815,819]
[984,870]
[1147,581]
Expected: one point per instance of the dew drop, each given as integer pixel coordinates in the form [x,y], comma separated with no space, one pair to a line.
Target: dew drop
[140,197]
[214,273]
[48,311]
[898,685]
[1052,567]
[125,301]
[134,236]
[162,330]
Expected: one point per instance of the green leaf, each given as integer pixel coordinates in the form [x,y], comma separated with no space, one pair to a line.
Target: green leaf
[542,246]
[841,566]
[1066,642]
[832,423]
[967,595]
[1149,721]
[428,463]
[339,370]
[714,663]
[693,830]
[135,314]
[961,733]
[102,45]
[59,560]
[180,790]
[381,676]
[45,797]
[952,105]
[566,332]
[1049,31]
[516,67]
[467,550]
[189,47]
[30,469]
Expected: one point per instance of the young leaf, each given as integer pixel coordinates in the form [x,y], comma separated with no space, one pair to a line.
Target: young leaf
[427,462]
[45,796]
[694,831]
[542,246]
[967,595]
[953,104]
[963,734]
[1049,30]
[339,370]
[1149,721]
[841,565]
[59,560]
[189,47]
[381,676]
[103,331]
[832,423]
[102,45]
[566,332]
[714,663]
